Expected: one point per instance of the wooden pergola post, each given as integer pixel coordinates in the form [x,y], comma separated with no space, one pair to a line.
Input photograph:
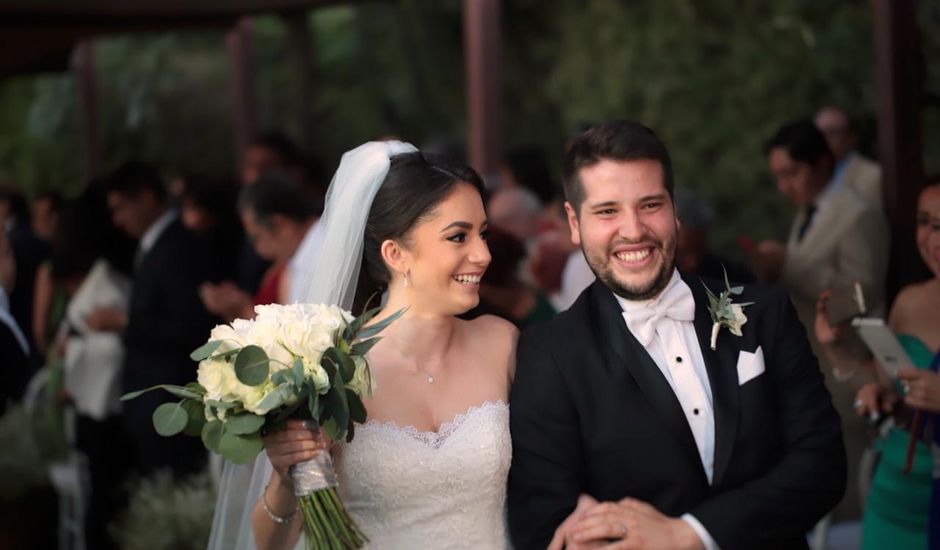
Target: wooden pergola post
[900,146]
[86,80]
[238,42]
[302,56]
[482,51]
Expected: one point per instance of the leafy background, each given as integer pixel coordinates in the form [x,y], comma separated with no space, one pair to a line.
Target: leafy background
[713,79]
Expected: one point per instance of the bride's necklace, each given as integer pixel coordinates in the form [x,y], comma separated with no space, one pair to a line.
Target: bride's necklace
[422,370]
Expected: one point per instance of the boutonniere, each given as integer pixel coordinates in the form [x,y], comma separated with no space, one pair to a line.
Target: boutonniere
[723,312]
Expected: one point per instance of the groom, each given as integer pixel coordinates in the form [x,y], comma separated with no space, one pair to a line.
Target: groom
[622,408]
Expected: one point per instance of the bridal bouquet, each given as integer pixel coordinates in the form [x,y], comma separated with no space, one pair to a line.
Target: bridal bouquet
[302,361]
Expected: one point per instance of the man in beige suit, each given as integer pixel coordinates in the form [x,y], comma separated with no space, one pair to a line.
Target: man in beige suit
[852,169]
[837,238]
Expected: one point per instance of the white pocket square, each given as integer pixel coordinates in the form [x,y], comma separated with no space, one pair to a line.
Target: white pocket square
[750,365]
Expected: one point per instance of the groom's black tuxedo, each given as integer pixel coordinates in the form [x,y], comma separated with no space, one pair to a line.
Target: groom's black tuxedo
[592,413]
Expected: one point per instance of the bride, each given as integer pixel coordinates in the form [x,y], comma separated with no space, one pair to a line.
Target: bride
[429,468]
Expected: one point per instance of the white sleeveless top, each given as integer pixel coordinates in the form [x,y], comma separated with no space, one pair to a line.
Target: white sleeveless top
[446,489]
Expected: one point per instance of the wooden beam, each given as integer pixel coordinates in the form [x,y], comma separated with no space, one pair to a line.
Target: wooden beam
[899,80]
[86,80]
[240,53]
[482,51]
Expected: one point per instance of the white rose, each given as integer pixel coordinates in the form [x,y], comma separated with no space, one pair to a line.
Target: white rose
[361,383]
[232,336]
[210,376]
[252,399]
[314,371]
[265,334]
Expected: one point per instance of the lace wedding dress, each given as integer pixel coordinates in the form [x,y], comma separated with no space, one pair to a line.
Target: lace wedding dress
[447,489]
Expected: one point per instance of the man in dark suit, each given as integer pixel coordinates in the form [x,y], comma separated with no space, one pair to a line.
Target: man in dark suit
[166,319]
[635,420]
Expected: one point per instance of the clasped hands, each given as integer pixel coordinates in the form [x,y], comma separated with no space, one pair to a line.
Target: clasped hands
[626,524]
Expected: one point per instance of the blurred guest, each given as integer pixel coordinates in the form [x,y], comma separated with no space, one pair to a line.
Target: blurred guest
[208,208]
[836,239]
[503,290]
[273,152]
[278,219]
[46,209]
[14,348]
[29,251]
[897,506]
[515,210]
[527,168]
[166,319]
[694,256]
[91,264]
[852,169]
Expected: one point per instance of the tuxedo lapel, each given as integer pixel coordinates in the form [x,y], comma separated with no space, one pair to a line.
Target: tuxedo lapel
[623,350]
[721,365]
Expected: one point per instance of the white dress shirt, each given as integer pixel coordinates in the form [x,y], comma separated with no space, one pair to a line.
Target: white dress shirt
[152,235]
[675,349]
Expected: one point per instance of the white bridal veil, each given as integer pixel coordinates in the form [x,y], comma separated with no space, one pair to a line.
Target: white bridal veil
[331,280]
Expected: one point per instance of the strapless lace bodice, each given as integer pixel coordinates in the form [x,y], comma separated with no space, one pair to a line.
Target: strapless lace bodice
[445,489]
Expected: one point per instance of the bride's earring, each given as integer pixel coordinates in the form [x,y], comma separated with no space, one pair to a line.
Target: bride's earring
[405,275]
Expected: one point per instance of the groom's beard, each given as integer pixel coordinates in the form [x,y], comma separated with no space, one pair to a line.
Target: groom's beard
[602,270]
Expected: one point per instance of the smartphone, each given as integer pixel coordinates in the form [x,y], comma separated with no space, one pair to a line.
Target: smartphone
[845,302]
[883,344]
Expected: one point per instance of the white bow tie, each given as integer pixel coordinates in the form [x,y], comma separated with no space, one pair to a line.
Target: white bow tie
[675,303]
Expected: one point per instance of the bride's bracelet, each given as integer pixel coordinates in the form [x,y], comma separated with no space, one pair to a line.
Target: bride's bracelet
[275,518]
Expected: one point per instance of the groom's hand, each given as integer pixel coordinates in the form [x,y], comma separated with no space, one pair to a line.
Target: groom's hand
[561,538]
[632,524]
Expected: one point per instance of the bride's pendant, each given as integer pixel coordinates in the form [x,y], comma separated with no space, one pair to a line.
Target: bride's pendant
[430,379]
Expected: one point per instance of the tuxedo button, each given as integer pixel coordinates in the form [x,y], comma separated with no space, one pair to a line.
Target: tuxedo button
[678,359]
[695,411]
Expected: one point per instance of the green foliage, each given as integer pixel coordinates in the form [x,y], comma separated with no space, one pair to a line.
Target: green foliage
[170,419]
[167,514]
[713,79]
[251,366]
[24,462]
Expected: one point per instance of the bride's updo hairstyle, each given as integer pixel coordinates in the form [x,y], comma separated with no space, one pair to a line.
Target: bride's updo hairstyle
[415,185]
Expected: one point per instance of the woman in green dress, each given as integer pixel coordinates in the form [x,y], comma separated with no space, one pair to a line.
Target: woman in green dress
[897,511]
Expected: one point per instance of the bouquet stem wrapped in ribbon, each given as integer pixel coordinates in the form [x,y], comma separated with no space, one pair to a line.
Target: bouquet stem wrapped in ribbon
[303,361]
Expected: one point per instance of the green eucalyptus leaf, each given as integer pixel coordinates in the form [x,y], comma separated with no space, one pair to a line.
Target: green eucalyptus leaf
[170,419]
[205,350]
[346,366]
[238,448]
[357,411]
[283,376]
[251,366]
[245,423]
[333,429]
[352,328]
[278,397]
[222,405]
[313,404]
[373,330]
[196,417]
[212,434]
[298,372]
[363,347]
[337,407]
[196,387]
[178,391]
[330,362]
